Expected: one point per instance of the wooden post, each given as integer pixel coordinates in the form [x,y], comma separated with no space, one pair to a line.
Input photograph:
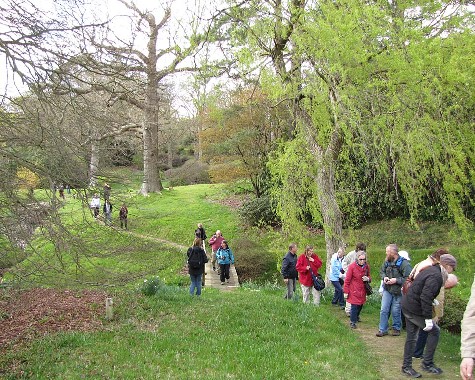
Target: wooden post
[109,310]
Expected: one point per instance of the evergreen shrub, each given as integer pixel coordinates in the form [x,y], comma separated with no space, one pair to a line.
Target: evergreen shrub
[258,212]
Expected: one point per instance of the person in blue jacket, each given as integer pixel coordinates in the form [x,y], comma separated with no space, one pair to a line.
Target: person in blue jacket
[225,258]
[337,277]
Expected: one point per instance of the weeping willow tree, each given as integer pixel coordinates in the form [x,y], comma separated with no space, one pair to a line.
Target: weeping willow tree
[381,80]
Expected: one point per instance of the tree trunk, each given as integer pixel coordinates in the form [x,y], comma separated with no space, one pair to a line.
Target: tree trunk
[93,163]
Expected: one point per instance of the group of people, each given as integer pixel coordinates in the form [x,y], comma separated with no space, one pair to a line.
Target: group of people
[221,254]
[420,307]
[95,206]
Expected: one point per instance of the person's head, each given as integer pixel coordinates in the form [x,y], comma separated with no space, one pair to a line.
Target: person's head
[361,258]
[197,242]
[293,248]
[308,250]
[341,251]
[392,252]
[218,233]
[224,244]
[448,262]
[437,254]
[360,247]
[452,280]
[200,225]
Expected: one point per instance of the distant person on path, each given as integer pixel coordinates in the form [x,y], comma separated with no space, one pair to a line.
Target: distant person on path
[354,289]
[289,271]
[306,261]
[225,259]
[107,191]
[123,214]
[417,308]
[467,338]
[215,243]
[196,260]
[107,209]
[61,191]
[350,258]
[201,234]
[337,277]
[96,204]
[393,272]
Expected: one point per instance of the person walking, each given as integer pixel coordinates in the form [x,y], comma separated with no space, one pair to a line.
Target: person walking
[337,277]
[123,214]
[308,261]
[225,258]
[354,287]
[467,338]
[417,308]
[350,258]
[215,243]
[107,192]
[96,204]
[107,209]
[394,272]
[289,271]
[196,260]
[201,234]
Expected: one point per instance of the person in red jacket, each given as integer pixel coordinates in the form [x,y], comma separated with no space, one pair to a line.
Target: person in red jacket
[354,290]
[215,243]
[306,261]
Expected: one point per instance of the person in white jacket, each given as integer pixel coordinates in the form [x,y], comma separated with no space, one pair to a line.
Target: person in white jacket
[467,347]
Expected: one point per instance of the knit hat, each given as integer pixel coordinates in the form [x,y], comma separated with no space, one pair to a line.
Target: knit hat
[448,259]
[404,254]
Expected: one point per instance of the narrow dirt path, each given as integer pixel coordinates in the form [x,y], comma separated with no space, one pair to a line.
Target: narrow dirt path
[388,352]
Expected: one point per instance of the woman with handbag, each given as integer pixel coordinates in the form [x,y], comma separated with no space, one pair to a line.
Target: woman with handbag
[354,289]
[308,263]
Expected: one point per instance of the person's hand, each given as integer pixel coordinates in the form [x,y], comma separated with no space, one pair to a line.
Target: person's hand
[286,280]
[345,296]
[435,302]
[466,369]
[365,278]
[429,325]
[311,259]
[308,267]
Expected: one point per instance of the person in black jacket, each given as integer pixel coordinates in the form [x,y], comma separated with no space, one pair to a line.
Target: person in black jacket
[196,260]
[417,308]
[289,272]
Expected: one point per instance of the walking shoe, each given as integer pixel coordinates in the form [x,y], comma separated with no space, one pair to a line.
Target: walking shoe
[431,369]
[353,325]
[380,333]
[214,268]
[409,371]
[222,283]
[396,332]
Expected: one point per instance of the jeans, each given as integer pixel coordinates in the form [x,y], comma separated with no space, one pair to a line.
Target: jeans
[195,284]
[224,273]
[290,288]
[306,294]
[355,313]
[414,324]
[390,304]
[338,295]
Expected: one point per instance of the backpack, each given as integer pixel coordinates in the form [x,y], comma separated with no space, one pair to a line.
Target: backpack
[194,261]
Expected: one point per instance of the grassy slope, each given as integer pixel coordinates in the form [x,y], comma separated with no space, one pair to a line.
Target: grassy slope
[250,333]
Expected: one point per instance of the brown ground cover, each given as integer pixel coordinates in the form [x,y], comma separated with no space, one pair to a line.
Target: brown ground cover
[28,314]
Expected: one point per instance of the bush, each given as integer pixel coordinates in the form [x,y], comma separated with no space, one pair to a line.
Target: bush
[454,307]
[151,286]
[190,173]
[253,263]
[258,212]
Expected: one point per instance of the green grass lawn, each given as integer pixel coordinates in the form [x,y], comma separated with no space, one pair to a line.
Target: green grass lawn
[251,333]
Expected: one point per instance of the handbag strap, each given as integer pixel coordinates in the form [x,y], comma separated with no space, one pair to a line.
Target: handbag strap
[310,265]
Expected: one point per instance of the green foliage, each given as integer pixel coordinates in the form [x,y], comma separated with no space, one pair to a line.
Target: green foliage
[454,307]
[258,212]
[253,262]
[190,173]
[151,286]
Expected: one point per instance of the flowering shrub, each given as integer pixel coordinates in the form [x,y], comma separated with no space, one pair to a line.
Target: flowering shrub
[151,286]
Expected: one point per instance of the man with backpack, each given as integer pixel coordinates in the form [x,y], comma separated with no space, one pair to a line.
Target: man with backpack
[394,272]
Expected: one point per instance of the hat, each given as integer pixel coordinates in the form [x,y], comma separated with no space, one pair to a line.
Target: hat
[404,254]
[448,259]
